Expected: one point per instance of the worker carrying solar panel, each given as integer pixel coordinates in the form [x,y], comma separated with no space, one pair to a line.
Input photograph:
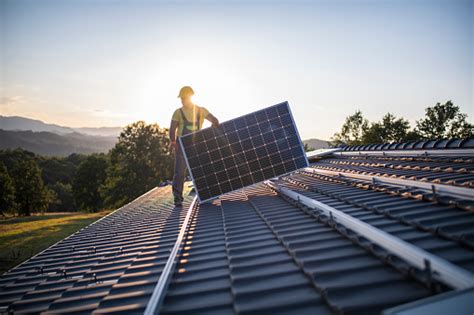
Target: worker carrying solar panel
[186,119]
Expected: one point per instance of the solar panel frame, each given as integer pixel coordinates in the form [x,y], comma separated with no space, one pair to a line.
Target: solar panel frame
[240,157]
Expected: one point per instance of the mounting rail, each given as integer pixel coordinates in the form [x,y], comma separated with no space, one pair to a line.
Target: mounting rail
[442,270]
[417,152]
[321,152]
[157,297]
[455,191]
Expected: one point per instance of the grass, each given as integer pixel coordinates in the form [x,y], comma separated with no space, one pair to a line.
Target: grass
[23,237]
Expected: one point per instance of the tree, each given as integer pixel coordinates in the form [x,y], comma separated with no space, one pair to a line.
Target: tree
[90,176]
[352,130]
[58,174]
[30,193]
[390,129]
[64,201]
[139,161]
[60,169]
[307,148]
[7,191]
[441,121]
[444,121]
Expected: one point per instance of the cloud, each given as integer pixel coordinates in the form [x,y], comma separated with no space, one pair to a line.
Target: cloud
[11,99]
[101,113]
[10,103]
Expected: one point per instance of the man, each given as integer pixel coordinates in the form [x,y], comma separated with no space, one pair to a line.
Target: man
[186,119]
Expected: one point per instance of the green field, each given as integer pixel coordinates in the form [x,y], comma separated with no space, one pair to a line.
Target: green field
[23,237]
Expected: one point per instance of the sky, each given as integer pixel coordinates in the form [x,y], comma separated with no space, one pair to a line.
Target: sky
[109,63]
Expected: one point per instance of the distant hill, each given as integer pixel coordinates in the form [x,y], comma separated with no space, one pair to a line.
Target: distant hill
[49,143]
[23,123]
[100,131]
[317,143]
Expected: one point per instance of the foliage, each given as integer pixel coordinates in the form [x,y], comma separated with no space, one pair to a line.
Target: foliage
[58,175]
[7,191]
[64,201]
[307,148]
[444,121]
[390,129]
[441,121]
[60,169]
[352,131]
[90,176]
[11,157]
[30,193]
[139,161]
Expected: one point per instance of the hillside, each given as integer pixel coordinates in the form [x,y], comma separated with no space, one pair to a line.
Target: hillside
[316,143]
[100,131]
[15,123]
[49,143]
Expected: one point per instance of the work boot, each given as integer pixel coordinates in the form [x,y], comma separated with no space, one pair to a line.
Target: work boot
[178,202]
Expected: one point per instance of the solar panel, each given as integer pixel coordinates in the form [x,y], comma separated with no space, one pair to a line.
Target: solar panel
[243,151]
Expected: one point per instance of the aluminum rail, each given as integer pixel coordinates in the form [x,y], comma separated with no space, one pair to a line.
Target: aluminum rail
[442,270]
[321,152]
[455,191]
[418,152]
[156,299]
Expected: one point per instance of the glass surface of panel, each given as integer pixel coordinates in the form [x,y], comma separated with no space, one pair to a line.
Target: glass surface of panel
[243,151]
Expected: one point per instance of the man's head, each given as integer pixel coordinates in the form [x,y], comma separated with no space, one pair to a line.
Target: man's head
[185,94]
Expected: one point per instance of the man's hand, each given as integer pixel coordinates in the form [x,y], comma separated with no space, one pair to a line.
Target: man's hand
[214,121]
[172,146]
[173,127]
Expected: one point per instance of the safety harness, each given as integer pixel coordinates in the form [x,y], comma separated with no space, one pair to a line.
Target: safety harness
[188,123]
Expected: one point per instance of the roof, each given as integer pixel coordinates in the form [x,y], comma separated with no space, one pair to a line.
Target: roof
[261,250]
[120,255]
[467,143]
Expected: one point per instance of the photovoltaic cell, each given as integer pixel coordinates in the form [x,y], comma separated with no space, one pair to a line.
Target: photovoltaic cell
[243,151]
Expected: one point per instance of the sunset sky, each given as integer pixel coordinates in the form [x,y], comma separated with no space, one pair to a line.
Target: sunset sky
[110,63]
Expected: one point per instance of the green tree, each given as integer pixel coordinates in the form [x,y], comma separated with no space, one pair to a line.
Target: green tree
[30,193]
[60,169]
[90,176]
[11,157]
[307,148]
[139,161]
[7,191]
[389,129]
[352,130]
[444,121]
[58,174]
[64,201]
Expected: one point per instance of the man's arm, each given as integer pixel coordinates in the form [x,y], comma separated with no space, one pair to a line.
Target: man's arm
[213,120]
[173,127]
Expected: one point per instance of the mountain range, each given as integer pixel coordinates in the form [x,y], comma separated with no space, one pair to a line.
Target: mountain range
[23,123]
[55,140]
[53,144]
[316,143]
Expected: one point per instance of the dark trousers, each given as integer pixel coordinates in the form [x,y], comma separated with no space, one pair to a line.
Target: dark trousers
[179,173]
